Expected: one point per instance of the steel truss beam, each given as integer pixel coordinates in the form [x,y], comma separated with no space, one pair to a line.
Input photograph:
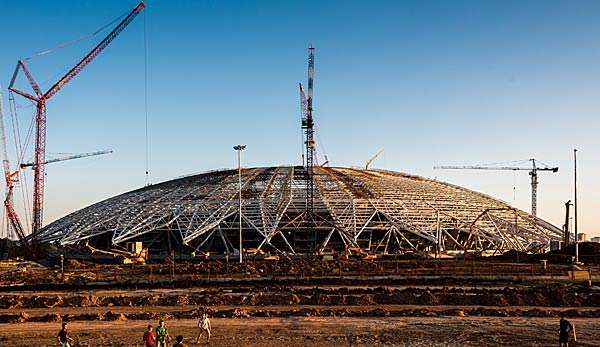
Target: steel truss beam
[381,212]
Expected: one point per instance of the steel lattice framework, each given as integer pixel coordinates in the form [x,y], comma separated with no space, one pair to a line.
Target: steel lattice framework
[380,212]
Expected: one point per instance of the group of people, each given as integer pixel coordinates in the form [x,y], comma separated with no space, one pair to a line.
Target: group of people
[153,337]
[159,337]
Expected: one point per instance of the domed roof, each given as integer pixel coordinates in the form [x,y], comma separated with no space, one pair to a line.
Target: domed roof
[376,210]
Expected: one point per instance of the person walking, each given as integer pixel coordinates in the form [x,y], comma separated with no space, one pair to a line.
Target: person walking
[179,342]
[564,332]
[63,336]
[204,326]
[149,337]
[162,334]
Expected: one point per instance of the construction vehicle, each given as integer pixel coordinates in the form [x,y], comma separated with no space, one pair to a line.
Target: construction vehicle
[533,172]
[138,255]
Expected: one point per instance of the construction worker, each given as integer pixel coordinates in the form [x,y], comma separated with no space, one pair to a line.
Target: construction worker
[204,326]
[564,332]
[179,342]
[63,336]
[162,334]
[149,337]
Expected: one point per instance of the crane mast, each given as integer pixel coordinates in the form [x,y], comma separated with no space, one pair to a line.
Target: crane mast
[534,186]
[533,173]
[40,99]
[308,126]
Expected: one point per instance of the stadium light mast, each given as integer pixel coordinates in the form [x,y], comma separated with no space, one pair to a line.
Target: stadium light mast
[239,149]
[575,204]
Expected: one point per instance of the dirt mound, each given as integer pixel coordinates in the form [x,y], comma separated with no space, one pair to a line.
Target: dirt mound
[114,316]
[82,301]
[44,301]
[11,301]
[75,264]
[233,313]
[544,296]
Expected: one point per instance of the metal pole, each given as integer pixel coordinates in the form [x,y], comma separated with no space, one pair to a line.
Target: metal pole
[575,204]
[437,236]
[239,149]
[240,198]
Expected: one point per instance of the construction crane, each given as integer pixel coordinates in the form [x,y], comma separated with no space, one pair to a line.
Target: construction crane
[11,179]
[533,172]
[41,98]
[372,159]
[306,103]
[69,157]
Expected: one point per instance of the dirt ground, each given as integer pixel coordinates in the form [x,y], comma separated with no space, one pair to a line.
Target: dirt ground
[320,331]
[446,303]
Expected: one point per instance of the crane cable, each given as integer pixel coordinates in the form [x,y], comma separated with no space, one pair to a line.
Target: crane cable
[514,186]
[147,142]
[77,40]
[20,149]
[322,145]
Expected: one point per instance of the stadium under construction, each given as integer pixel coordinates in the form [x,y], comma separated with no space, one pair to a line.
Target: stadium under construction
[354,210]
[308,209]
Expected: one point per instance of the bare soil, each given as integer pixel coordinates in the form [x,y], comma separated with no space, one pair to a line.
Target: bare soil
[400,303]
[320,331]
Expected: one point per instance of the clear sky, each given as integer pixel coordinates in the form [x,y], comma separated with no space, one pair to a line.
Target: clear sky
[430,82]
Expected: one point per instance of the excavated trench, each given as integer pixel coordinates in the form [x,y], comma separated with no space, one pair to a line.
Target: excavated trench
[541,301]
[545,296]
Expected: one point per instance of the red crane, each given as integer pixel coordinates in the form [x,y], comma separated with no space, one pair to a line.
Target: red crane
[11,178]
[40,98]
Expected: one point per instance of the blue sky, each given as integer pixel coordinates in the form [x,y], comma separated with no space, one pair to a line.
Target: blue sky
[436,82]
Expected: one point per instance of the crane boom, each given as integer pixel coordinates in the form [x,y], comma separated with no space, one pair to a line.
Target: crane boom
[40,118]
[372,159]
[69,157]
[474,167]
[532,172]
[94,52]
[303,104]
